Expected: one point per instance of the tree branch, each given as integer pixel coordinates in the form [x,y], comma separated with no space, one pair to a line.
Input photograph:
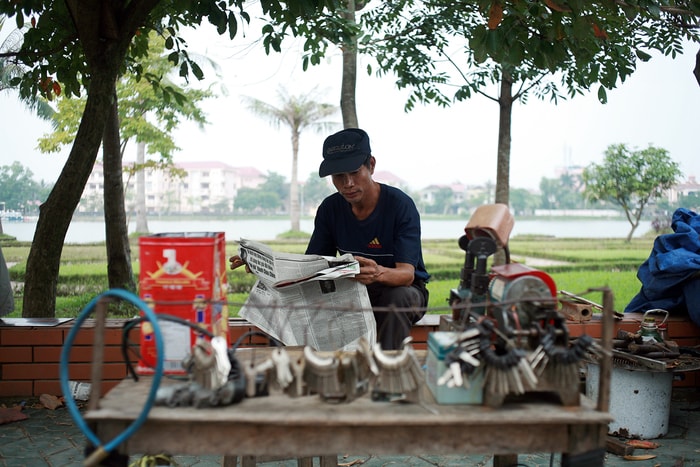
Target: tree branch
[34,56]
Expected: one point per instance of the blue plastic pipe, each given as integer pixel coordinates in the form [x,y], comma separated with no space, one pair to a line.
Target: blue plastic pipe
[103,450]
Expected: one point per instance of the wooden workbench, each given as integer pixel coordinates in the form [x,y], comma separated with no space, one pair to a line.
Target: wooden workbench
[279,425]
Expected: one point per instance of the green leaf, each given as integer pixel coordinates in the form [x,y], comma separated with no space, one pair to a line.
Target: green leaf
[654,10]
[197,71]
[494,42]
[643,56]
[232,25]
[516,54]
[602,95]
[629,10]
[174,58]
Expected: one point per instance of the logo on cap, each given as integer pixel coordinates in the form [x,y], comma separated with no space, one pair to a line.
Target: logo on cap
[340,148]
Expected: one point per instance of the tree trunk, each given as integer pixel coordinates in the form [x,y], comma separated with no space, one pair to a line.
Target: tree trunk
[505,102]
[119,271]
[294,184]
[633,217]
[349,80]
[104,54]
[141,220]
[55,214]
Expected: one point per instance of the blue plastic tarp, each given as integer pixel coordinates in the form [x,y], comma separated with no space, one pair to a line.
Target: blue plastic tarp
[670,277]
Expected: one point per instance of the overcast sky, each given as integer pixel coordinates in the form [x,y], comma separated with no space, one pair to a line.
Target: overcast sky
[657,105]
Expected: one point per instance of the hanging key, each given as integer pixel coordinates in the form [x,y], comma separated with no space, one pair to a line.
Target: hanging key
[250,375]
[283,371]
[527,373]
[469,358]
[298,386]
[456,370]
[516,381]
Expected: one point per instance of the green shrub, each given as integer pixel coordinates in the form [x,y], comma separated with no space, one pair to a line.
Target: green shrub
[579,265]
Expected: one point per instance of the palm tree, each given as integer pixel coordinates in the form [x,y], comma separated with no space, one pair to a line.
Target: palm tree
[298,113]
[10,69]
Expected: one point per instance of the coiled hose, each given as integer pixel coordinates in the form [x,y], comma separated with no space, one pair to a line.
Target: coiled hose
[103,450]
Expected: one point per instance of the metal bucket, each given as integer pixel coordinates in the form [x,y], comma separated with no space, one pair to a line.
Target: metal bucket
[640,401]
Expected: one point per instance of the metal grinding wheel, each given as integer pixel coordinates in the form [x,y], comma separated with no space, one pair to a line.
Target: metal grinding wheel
[524,296]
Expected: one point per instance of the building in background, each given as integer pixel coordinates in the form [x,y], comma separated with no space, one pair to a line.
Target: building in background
[204,188]
[210,187]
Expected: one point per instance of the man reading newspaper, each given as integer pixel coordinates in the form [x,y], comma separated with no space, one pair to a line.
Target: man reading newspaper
[379,226]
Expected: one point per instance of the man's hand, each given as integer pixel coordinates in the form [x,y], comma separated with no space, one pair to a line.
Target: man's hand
[371,272]
[236,262]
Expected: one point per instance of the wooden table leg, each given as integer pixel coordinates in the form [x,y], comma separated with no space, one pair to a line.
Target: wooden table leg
[593,458]
[505,460]
[329,461]
[252,461]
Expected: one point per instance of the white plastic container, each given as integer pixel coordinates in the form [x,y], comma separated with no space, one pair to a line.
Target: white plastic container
[640,401]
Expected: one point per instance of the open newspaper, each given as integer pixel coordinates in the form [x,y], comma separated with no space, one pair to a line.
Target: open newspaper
[307,299]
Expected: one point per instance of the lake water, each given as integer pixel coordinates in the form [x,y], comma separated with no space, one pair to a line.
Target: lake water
[260,229]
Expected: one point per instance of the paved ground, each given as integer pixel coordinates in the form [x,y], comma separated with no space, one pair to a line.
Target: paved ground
[51,438]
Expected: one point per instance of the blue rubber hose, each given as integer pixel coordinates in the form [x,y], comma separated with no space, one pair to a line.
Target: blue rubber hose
[103,450]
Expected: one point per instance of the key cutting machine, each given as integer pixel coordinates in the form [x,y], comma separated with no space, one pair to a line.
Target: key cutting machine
[505,321]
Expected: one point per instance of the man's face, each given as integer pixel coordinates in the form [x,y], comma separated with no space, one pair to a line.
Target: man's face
[353,185]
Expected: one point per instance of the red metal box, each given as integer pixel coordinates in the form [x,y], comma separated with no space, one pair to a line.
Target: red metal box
[182,274]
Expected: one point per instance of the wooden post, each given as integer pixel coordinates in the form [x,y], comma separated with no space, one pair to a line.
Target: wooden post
[98,348]
[606,342]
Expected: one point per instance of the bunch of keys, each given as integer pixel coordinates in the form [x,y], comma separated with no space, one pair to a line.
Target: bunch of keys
[400,374]
[360,370]
[257,377]
[463,360]
[209,364]
[562,362]
[508,371]
[321,373]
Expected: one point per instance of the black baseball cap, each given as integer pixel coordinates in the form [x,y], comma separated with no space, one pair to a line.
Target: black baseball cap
[344,151]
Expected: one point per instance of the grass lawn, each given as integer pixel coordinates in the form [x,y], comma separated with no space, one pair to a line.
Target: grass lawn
[576,266]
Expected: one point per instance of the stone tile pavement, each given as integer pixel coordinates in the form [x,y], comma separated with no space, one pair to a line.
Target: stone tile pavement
[51,438]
